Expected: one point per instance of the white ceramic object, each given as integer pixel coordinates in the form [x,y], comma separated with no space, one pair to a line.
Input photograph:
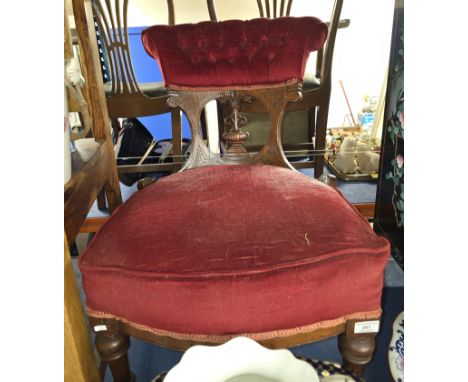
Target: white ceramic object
[74,72]
[396,350]
[367,160]
[344,160]
[240,360]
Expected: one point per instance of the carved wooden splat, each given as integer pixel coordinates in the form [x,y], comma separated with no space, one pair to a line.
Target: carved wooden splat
[233,134]
[275,100]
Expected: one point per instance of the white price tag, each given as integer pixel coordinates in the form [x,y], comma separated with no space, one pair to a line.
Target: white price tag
[366,327]
[100,328]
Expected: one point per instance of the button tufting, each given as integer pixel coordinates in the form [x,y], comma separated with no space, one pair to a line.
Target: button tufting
[221,53]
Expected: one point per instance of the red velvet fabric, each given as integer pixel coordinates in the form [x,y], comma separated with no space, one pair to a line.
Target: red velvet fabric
[234,249]
[235,53]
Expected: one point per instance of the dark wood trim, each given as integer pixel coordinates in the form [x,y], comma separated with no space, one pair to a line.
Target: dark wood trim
[299,165]
[366,209]
[170,12]
[177,142]
[212,10]
[274,343]
[91,225]
[101,200]
[148,167]
[136,105]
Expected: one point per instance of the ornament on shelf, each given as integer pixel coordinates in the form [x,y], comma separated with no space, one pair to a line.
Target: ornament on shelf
[345,161]
[368,161]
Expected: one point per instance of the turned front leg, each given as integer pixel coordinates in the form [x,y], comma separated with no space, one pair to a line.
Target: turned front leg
[357,345]
[112,346]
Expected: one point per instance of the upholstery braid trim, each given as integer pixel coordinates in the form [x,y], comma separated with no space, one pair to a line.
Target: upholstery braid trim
[369,315]
[292,81]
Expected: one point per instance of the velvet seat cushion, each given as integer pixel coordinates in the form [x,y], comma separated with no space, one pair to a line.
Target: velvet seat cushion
[216,251]
[235,53]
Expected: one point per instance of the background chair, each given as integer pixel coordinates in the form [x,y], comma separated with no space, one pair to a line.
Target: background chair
[305,119]
[93,169]
[253,248]
[125,96]
[92,163]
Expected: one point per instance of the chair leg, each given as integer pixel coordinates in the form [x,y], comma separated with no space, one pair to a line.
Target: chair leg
[311,111]
[101,200]
[311,123]
[115,130]
[112,346]
[320,136]
[112,190]
[357,351]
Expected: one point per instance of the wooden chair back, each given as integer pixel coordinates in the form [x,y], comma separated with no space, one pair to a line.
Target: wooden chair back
[93,170]
[266,8]
[124,94]
[125,97]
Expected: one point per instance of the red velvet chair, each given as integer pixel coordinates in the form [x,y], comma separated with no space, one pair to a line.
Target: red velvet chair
[241,245]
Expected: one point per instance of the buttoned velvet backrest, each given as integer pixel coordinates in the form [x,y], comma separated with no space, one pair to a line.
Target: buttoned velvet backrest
[235,53]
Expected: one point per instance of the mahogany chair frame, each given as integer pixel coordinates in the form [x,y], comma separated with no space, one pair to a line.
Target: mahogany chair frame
[112,342]
[317,100]
[112,334]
